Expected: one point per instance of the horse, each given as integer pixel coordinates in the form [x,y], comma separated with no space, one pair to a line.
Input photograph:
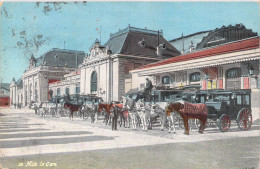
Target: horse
[107,107]
[89,110]
[129,105]
[154,111]
[72,108]
[172,118]
[123,116]
[188,110]
[144,115]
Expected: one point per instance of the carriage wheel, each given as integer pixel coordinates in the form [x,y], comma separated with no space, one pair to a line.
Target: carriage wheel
[86,114]
[224,123]
[244,119]
[66,112]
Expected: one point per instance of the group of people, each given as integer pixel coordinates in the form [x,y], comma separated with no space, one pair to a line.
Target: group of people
[146,93]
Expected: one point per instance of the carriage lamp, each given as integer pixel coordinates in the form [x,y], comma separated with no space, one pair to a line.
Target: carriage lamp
[251,71]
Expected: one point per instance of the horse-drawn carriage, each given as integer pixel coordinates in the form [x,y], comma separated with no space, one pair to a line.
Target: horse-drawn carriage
[90,106]
[50,107]
[224,106]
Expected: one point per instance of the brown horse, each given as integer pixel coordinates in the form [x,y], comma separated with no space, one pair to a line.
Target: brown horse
[188,110]
[123,116]
[107,107]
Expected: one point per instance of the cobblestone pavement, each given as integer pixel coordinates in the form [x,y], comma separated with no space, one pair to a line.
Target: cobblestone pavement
[24,133]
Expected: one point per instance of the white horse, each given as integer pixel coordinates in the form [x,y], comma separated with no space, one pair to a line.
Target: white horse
[144,115]
[172,118]
[129,105]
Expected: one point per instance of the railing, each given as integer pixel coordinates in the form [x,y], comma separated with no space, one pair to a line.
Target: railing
[129,28]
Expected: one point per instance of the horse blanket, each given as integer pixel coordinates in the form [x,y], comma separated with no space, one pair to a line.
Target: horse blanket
[194,109]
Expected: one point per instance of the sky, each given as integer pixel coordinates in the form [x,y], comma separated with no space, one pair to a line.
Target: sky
[34,28]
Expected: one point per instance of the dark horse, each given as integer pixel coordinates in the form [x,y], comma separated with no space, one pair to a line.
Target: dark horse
[73,106]
[188,110]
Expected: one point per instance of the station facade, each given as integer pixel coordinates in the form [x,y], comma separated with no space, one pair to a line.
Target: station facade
[224,58]
[233,65]
[105,71]
[47,69]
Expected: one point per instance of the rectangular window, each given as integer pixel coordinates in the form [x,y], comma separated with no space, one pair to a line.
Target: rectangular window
[58,92]
[209,85]
[77,90]
[246,100]
[220,73]
[67,90]
[239,100]
[214,84]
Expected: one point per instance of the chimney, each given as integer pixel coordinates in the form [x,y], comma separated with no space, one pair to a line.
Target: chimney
[158,51]
[191,46]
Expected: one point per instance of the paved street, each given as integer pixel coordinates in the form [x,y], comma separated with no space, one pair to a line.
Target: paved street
[28,140]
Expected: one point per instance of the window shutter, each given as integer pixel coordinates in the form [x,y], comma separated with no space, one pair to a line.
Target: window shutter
[246,83]
[220,83]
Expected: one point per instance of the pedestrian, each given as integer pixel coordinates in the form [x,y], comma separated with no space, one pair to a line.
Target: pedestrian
[114,115]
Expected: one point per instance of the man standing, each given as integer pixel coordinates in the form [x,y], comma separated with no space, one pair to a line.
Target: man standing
[114,114]
[148,89]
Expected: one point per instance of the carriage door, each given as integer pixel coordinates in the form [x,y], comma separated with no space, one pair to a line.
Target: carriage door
[233,78]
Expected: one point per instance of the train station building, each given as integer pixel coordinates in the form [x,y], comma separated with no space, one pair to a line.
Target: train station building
[229,64]
[105,71]
[43,71]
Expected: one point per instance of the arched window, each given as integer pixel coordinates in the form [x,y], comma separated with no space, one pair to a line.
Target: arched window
[67,91]
[77,90]
[194,77]
[233,73]
[93,82]
[167,80]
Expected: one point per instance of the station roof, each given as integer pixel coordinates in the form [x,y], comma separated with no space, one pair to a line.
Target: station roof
[61,57]
[127,41]
[241,45]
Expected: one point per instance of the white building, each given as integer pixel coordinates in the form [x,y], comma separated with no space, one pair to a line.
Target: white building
[70,84]
[105,71]
[48,68]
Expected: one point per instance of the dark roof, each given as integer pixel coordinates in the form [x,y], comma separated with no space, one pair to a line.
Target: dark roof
[127,41]
[5,86]
[214,37]
[242,45]
[183,43]
[19,82]
[61,57]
